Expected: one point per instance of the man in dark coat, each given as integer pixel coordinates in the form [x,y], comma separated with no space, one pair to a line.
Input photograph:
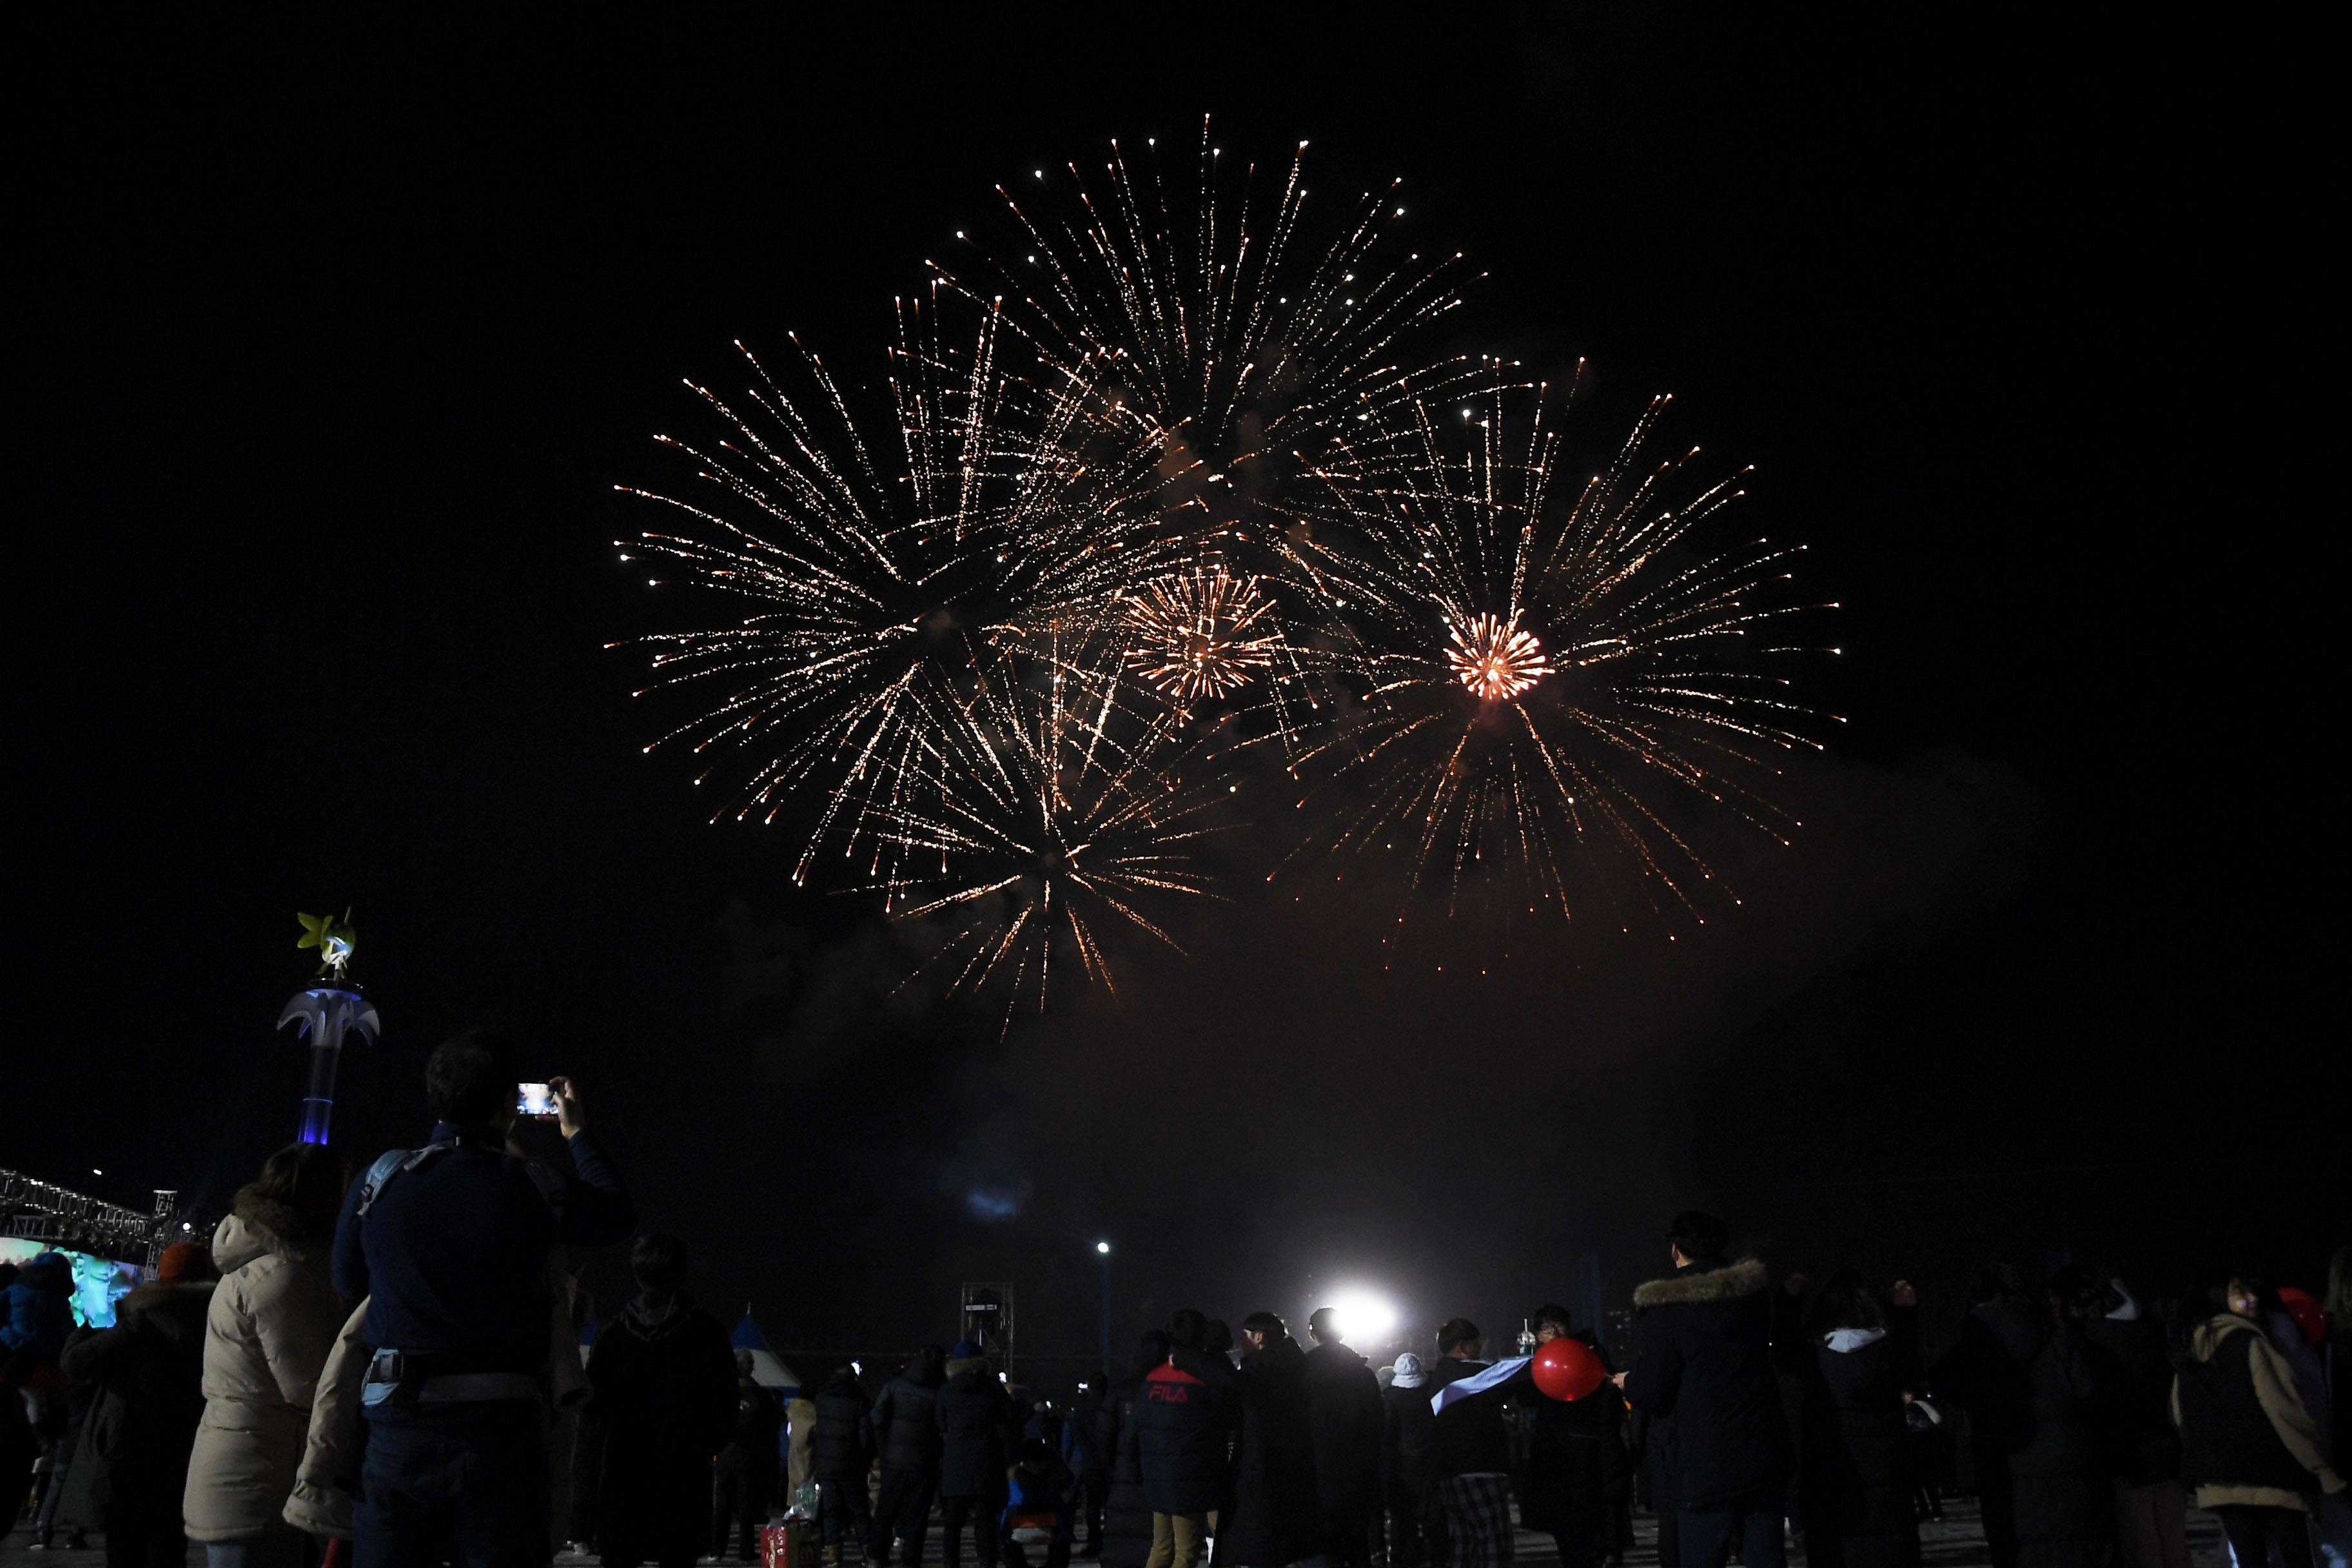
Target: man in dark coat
[1183,1423]
[840,1454]
[1703,1371]
[1277,1518]
[1127,1513]
[133,1466]
[907,1426]
[980,1434]
[1409,1462]
[747,1467]
[1472,1458]
[664,1376]
[450,1246]
[1576,1470]
[1344,1404]
[2039,1400]
[2151,1504]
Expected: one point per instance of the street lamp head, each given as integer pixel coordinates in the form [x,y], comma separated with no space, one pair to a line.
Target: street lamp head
[1102,1248]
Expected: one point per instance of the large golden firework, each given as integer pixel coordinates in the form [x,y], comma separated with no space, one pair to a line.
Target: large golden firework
[1544,679]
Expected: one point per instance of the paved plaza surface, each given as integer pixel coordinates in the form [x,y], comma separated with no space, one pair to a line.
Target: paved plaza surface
[1956,1541]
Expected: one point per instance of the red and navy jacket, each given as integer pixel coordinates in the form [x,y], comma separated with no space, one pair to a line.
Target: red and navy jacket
[1183,1421]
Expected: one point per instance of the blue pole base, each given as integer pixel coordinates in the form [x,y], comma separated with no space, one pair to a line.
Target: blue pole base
[315,1116]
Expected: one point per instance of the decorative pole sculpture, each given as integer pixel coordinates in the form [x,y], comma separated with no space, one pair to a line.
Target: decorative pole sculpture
[326,1012]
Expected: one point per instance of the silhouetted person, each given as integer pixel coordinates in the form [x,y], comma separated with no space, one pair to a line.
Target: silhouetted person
[1089,1460]
[906,1428]
[1344,1402]
[978,1435]
[664,1380]
[1703,1370]
[1576,1472]
[2038,1396]
[842,1454]
[149,1371]
[1409,1462]
[747,1465]
[1856,1474]
[1277,1518]
[1473,1455]
[2151,1504]
[449,1245]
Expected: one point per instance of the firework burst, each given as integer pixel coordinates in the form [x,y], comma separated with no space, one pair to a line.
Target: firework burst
[885,580]
[1196,634]
[1539,677]
[1079,812]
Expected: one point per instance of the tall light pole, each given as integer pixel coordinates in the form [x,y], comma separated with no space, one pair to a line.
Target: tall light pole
[1102,1248]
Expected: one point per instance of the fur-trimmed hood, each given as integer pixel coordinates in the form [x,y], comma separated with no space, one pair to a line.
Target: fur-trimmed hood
[1726,1282]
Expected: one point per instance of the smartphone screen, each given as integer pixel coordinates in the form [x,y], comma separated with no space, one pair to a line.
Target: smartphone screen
[535,1100]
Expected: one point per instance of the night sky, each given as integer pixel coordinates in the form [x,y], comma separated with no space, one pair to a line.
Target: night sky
[331,338]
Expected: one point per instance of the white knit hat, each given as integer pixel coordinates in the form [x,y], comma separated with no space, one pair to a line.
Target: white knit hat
[1408,1371]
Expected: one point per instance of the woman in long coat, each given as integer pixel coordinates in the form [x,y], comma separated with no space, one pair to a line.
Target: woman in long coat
[272,1322]
[1857,1477]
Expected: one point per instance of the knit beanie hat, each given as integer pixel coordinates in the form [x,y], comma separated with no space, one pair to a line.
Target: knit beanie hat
[1408,1371]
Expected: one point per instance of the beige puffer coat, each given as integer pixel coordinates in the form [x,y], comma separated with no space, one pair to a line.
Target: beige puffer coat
[272,1323]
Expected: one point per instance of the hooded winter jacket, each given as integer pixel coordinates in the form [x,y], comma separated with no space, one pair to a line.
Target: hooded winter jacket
[273,1319]
[842,1448]
[39,1308]
[2246,1436]
[1703,1371]
[1183,1425]
[1856,1471]
[980,1430]
[907,1420]
[1276,1517]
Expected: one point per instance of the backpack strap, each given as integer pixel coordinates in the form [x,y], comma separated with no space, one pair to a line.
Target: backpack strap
[398,1162]
[391,1164]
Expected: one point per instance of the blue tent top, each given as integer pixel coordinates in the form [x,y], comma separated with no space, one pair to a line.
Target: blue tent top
[746,1335]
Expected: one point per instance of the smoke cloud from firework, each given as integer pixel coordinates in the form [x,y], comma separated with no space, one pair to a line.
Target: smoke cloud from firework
[1165,493]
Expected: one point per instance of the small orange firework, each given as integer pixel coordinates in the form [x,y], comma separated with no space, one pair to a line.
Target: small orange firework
[1495,659]
[1196,633]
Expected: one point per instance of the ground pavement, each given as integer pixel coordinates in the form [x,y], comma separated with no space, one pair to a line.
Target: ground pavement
[1956,1541]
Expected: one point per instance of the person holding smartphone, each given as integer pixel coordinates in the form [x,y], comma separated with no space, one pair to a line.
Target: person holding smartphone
[450,1244]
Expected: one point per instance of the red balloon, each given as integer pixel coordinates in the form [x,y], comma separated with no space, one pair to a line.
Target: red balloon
[2308,1314]
[1567,1369]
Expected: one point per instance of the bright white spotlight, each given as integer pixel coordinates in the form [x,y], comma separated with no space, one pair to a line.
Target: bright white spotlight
[1102,1247]
[1365,1318]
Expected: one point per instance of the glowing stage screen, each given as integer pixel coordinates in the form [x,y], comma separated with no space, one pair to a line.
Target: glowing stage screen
[98,1282]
